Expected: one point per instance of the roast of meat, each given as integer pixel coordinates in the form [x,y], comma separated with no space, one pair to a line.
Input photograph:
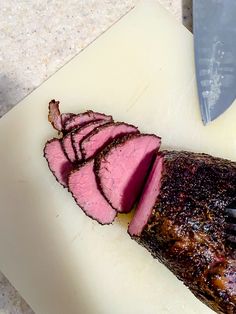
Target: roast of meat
[184,223]
[180,197]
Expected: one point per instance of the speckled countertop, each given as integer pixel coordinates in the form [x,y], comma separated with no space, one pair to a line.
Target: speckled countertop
[39,37]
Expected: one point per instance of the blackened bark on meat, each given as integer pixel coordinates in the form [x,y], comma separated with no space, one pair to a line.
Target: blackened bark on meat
[187,227]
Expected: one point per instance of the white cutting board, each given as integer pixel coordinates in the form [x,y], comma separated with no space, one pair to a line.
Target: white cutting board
[140,71]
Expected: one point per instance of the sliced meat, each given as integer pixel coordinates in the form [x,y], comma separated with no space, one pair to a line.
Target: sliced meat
[54,115]
[123,166]
[68,147]
[103,135]
[57,119]
[83,186]
[59,165]
[147,201]
[81,133]
[65,117]
[85,117]
[185,227]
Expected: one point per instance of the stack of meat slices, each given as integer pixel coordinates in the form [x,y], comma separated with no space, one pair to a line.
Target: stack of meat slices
[103,163]
[180,217]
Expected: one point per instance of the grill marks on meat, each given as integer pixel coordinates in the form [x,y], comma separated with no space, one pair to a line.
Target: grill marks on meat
[122,168]
[58,163]
[186,225]
[103,135]
[84,118]
[81,133]
[83,186]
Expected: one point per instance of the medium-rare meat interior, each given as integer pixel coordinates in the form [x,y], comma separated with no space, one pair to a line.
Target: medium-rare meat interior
[84,118]
[101,136]
[122,168]
[81,133]
[58,163]
[83,186]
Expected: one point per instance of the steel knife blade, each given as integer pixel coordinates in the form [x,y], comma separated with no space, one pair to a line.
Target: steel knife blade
[214,26]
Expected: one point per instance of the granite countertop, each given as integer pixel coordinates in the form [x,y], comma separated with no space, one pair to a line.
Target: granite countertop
[39,37]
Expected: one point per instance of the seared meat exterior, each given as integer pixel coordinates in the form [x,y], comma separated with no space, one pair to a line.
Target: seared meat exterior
[186,227]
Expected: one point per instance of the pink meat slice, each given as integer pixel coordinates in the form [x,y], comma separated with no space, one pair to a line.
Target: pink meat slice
[65,117]
[59,165]
[83,118]
[103,135]
[68,147]
[83,186]
[148,199]
[81,133]
[54,115]
[123,166]
[57,119]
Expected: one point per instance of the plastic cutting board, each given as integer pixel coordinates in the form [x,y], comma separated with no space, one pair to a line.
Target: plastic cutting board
[141,71]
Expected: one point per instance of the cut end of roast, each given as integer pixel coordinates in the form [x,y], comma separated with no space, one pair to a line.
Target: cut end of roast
[148,199]
[83,186]
[54,115]
[79,134]
[103,135]
[123,167]
[83,118]
[58,163]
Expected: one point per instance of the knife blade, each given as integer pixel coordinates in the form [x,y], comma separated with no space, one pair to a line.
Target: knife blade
[214,26]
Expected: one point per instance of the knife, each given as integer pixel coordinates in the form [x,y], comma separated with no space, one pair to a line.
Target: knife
[214,26]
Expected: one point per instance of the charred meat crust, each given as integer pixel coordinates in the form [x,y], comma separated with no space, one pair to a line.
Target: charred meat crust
[75,170]
[114,144]
[186,231]
[98,129]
